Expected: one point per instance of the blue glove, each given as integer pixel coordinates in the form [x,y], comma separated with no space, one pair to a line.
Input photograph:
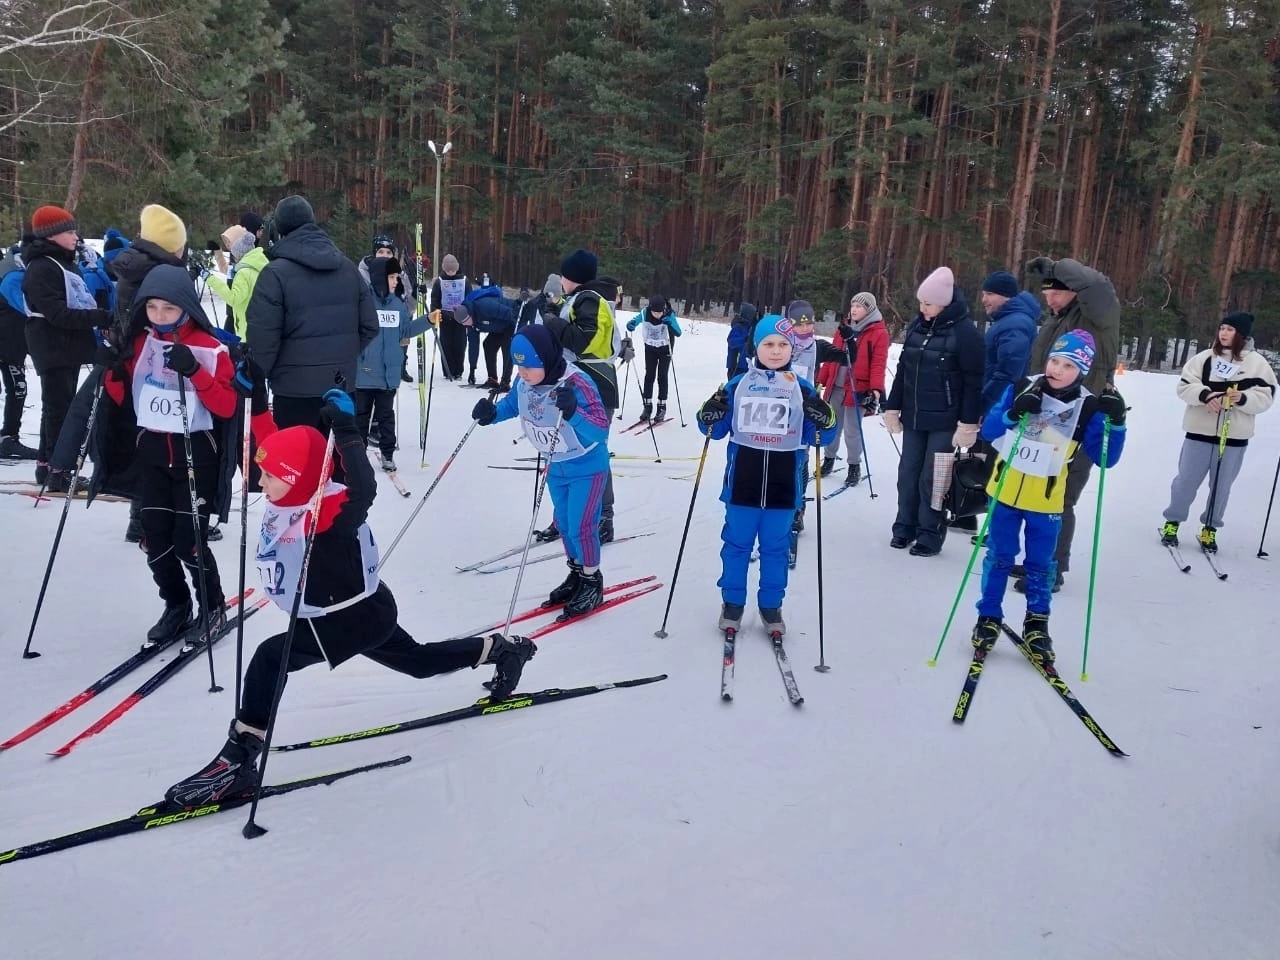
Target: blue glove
[179,358]
[566,401]
[339,409]
[484,412]
[340,399]
[250,382]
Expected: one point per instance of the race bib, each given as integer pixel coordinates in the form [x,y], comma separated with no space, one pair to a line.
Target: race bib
[654,334]
[767,413]
[1046,440]
[1223,369]
[763,415]
[800,370]
[157,398]
[388,318]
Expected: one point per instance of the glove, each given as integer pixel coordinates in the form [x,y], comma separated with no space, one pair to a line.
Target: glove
[339,410]
[818,412]
[435,318]
[484,412]
[715,409]
[1040,268]
[628,352]
[871,402]
[179,358]
[566,401]
[213,245]
[250,382]
[195,270]
[966,435]
[845,331]
[1029,401]
[1112,405]
[892,420]
[106,355]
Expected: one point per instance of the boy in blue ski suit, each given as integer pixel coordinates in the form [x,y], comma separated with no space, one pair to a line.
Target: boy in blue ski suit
[772,417]
[566,421]
[1034,490]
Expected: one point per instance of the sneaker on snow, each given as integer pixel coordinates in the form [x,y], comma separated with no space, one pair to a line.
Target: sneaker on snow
[11,448]
[588,596]
[985,633]
[773,622]
[1208,539]
[175,619]
[508,655]
[233,772]
[1169,533]
[566,590]
[731,616]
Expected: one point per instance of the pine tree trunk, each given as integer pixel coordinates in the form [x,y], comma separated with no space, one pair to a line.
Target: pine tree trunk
[79,158]
[1022,200]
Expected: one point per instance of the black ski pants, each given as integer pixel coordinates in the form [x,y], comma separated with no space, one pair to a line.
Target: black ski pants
[14,376]
[657,363]
[493,342]
[168,533]
[57,390]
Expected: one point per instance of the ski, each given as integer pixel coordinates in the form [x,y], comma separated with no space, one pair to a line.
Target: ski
[652,425]
[1054,680]
[107,680]
[481,708]
[1175,554]
[970,685]
[1213,565]
[552,608]
[793,552]
[154,682]
[784,667]
[638,423]
[837,491]
[494,559]
[556,553]
[726,667]
[164,814]
[396,482]
[24,489]
[614,601]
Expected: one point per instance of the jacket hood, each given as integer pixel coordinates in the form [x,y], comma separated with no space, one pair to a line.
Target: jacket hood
[33,247]
[135,263]
[171,283]
[378,276]
[747,314]
[1024,304]
[606,287]
[310,247]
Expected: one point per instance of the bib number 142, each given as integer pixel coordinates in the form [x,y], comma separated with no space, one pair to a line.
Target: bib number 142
[764,416]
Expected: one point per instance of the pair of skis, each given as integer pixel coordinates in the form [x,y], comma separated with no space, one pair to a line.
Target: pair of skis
[976,665]
[779,654]
[557,551]
[614,596]
[644,425]
[1175,554]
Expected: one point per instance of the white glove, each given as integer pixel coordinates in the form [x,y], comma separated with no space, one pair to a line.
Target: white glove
[892,420]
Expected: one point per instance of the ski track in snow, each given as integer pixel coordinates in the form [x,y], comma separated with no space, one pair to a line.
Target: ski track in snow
[659,821]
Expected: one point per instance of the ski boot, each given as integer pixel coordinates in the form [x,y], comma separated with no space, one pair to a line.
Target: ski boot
[42,473]
[731,616]
[564,593]
[60,482]
[175,619]
[471,377]
[646,412]
[773,622]
[606,530]
[388,465]
[508,656]
[1035,633]
[214,533]
[588,596]
[1169,533]
[11,448]
[548,535]
[233,772]
[1208,539]
[985,633]
[828,466]
[854,476]
[197,635]
[662,412]
[492,385]
[797,521]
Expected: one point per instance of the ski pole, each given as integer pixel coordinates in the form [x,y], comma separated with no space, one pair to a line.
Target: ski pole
[434,483]
[431,385]
[1225,415]
[862,441]
[817,489]
[625,384]
[661,632]
[539,489]
[675,381]
[202,588]
[1262,554]
[27,652]
[1093,562]
[652,437]
[246,445]
[252,829]
[982,537]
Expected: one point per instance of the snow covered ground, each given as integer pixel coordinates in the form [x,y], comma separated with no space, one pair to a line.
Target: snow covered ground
[659,821]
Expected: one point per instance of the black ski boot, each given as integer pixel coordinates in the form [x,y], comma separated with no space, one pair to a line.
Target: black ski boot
[588,596]
[773,622]
[1169,533]
[564,593]
[797,521]
[508,655]
[606,530]
[11,448]
[646,412]
[854,477]
[60,482]
[828,466]
[662,412]
[197,635]
[985,633]
[547,535]
[1035,633]
[175,619]
[731,616]
[233,772]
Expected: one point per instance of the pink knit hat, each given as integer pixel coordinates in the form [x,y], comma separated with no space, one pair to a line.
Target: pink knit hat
[937,288]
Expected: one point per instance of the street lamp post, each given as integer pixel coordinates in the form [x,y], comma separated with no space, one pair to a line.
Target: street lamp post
[435,240]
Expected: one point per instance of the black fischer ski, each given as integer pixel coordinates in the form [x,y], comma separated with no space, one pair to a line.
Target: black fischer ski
[1060,685]
[164,814]
[481,708]
[726,669]
[970,684]
[784,667]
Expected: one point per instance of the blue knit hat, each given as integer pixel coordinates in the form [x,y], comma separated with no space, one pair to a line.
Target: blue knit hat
[113,241]
[1002,283]
[1076,346]
[770,324]
[536,348]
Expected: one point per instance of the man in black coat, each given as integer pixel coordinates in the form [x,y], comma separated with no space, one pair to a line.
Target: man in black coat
[13,358]
[310,316]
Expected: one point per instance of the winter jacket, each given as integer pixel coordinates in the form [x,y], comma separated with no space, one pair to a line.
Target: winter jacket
[405,288]
[491,312]
[382,360]
[13,311]
[61,314]
[111,447]
[590,422]
[939,379]
[668,320]
[1008,345]
[870,352]
[131,267]
[238,291]
[310,315]
[586,327]
[437,302]
[741,345]
[1255,379]
[1095,308]
[101,287]
[1047,494]
[765,479]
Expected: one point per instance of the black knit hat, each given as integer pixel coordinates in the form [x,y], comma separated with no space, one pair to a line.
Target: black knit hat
[580,266]
[291,213]
[658,304]
[1240,321]
[251,221]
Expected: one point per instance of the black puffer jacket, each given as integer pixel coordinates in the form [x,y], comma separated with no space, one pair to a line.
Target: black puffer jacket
[13,322]
[310,316]
[131,267]
[61,336]
[939,379]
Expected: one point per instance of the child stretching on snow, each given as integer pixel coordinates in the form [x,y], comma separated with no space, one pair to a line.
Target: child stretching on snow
[660,325]
[347,610]
[552,391]
[772,417]
[1061,416]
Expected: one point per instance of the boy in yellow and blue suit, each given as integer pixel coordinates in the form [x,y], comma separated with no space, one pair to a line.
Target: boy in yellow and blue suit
[1036,502]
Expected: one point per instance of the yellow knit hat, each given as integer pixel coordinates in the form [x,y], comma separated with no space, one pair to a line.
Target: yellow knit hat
[164,228]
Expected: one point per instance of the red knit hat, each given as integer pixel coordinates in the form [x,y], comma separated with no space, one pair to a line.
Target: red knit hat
[294,455]
[50,221]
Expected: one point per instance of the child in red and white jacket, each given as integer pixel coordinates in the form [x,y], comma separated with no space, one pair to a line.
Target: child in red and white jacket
[859,383]
[170,348]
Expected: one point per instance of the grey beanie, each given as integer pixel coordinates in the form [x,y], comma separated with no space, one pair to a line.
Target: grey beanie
[866,300]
